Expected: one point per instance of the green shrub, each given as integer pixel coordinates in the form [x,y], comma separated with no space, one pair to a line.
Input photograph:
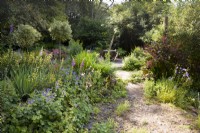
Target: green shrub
[88,59]
[26,80]
[85,60]
[8,61]
[26,36]
[119,90]
[7,96]
[35,60]
[104,127]
[198,122]
[162,68]
[43,113]
[27,71]
[11,60]
[63,106]
[149,89]
[137,77]
[22,83]
[123,108]
[104,67]
[60,31]
[166,91]
[136,60]
[132,63]
[75,47]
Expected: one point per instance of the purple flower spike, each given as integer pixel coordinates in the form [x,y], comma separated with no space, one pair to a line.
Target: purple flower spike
[74,73]
[187,74]
[31,101]
[11,28]
[48,90]
[73,63]
[184,69]
[44,93]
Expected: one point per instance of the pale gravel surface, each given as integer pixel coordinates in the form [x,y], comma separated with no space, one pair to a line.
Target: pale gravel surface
[153,118]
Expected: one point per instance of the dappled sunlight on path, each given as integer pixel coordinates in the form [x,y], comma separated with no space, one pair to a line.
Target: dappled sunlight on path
[123,75]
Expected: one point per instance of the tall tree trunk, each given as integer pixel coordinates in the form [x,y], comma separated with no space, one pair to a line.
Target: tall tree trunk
[165,39]
[111,42]
[92,9]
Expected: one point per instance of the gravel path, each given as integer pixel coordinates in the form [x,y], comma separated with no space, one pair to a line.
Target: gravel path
[153,118]
[145,117]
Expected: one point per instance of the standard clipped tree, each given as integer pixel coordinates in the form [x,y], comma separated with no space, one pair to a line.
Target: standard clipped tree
[26,36]
[60,31]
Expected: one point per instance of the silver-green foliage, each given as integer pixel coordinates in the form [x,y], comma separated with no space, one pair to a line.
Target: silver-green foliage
[26,36]
[60,30]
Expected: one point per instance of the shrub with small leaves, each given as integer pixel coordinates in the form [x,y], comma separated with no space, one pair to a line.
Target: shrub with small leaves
[136,60]
[26,36]
[60,30]
[137,77]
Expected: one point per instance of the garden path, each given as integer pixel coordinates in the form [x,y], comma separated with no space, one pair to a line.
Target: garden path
[143,116]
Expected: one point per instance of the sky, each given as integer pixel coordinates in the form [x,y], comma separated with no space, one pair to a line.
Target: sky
[116,1]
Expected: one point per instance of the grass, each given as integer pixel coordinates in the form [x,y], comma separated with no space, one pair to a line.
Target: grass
[122,108]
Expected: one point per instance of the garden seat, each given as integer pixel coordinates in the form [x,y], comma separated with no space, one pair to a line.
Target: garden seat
[113,54]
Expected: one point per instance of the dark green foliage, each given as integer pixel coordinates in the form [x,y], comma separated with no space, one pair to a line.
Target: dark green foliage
[184,31]
[91,32]
[75,47]
[133,19]
[165,58]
